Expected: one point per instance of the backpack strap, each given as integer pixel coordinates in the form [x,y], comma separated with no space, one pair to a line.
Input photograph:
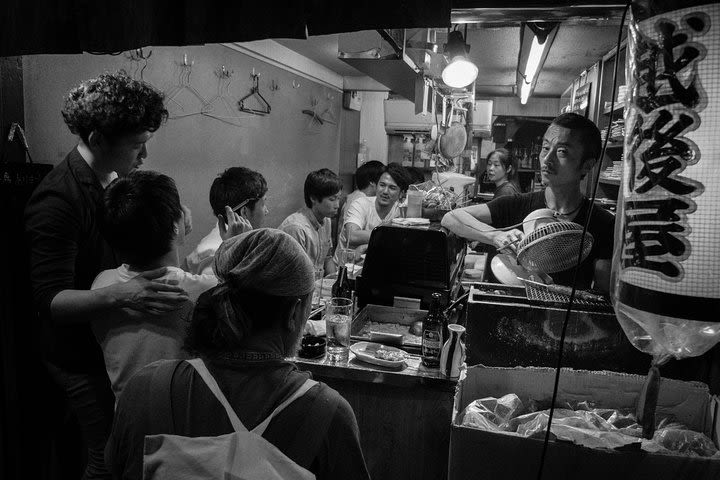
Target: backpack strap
[260,429]
[201,368]
[161,418]
[313,432]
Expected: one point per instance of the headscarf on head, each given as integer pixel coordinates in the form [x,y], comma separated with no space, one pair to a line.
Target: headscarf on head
[265,260]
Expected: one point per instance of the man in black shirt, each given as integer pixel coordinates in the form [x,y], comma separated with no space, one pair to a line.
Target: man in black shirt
[114,116]
[571,147]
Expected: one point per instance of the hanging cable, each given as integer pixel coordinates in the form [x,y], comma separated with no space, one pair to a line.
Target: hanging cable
[577,266]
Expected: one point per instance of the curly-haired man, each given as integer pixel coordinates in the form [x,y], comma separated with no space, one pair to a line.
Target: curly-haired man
[114,116]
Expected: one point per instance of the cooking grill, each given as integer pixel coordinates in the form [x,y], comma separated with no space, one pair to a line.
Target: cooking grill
[542,294]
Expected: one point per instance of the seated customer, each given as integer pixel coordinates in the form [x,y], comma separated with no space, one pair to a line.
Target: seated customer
[143,221]
[236,186]
[570,148]
[311,225]
[366,179]
[243,330]
[502,171]
[367,213]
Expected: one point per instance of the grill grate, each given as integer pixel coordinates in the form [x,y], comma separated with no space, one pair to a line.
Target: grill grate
[543,295]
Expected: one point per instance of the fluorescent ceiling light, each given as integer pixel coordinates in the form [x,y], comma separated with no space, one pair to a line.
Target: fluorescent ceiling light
[531,69]
[536,40]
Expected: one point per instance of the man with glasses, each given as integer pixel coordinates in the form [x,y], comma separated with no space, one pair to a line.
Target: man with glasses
[237,198]
[366,213]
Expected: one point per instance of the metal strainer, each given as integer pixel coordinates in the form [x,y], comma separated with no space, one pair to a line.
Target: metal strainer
[553,247]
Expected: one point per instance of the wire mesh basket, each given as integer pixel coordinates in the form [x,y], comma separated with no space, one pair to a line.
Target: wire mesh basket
[553,247]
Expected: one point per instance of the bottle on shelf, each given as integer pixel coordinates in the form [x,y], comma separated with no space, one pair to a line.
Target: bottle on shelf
[434,332]
[418,160]
[407,158]
[535,153]
[363,153]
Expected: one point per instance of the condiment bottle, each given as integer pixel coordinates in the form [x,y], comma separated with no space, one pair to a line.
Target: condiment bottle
[341,287]
[433,332]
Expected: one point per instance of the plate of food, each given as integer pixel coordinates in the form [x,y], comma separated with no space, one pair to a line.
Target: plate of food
[379,354]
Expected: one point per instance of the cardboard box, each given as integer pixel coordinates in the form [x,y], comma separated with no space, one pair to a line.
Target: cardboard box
[477,454]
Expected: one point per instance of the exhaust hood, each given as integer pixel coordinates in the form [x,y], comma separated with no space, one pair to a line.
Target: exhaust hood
[382,55]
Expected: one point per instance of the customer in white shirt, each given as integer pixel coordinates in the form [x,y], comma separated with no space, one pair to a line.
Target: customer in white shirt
[144,222]
[235,187]
[366,180]
[366,213]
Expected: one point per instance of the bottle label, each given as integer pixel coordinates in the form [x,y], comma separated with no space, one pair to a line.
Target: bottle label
[431,344]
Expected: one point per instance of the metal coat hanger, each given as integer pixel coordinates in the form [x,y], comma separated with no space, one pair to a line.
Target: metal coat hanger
[328,115]
[223,99]
[314,117]
[184,84]
[136,56]
[255,92]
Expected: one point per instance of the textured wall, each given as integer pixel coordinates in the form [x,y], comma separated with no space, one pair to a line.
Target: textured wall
[284,146]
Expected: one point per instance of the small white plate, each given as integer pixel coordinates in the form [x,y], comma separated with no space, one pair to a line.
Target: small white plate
[365,351]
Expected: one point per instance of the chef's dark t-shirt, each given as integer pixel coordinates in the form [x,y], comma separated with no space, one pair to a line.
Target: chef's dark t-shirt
[510,210]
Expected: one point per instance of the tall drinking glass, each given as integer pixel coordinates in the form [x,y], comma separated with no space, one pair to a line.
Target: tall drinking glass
[338,317]
[317,292]
[348,257]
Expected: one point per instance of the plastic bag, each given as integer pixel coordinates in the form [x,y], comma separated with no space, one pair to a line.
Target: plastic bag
[666,270]
[686,442]
[491,413]
[585,425]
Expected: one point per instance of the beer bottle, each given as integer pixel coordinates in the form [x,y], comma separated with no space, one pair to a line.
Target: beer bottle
[433,336]
[341,287]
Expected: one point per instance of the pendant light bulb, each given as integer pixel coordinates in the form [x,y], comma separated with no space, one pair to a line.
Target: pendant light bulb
[459,73]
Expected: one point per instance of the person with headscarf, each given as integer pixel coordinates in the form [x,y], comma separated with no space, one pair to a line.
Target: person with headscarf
[243,330]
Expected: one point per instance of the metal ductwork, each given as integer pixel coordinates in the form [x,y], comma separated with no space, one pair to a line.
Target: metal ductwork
[395,58]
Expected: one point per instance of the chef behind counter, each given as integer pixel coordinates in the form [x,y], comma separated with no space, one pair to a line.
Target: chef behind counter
[571,147]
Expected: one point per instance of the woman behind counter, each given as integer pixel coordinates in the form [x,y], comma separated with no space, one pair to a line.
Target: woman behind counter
[502,171]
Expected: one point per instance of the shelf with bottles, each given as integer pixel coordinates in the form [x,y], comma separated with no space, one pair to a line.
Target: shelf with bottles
[610,111]
[527,157]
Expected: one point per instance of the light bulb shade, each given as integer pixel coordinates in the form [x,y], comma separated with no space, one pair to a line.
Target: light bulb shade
[459,73]
[456,45]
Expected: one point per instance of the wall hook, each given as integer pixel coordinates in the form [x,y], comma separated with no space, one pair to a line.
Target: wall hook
[295,84]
